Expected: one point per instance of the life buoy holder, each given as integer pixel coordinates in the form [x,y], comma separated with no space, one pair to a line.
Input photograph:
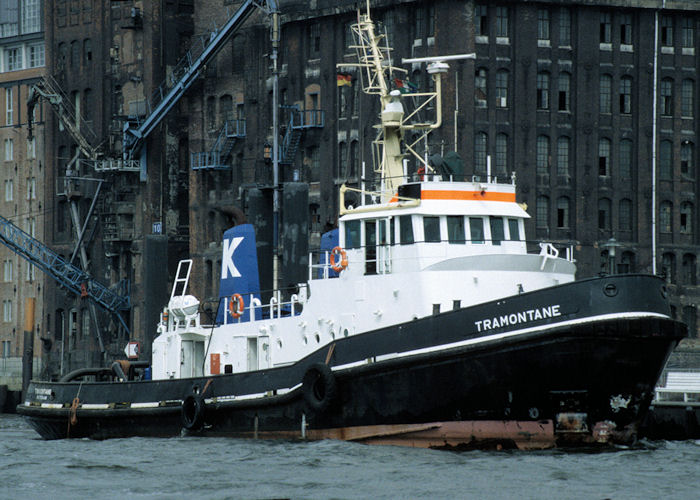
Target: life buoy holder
[342,259]
[192,412]
[319,387]
[236,305]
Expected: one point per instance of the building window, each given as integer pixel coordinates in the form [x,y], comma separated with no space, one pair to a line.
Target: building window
[9,106]
[666,31]
[626,29]
[542,212]
[13,59]
[31,272]
[565,26]
[542,159]
[542,90]
[502,155]
[480,88]
[354,159]
[10,20]
[563,147]
[625,215]
[9,150]
[604,215]
[8,189]
[626,264]
[87,51]
[668,267]
[7,311]
[667,97]
[686,218]
[543,24]
[605,93]
[626,95]
[8,270]
[342,159]
[666,217]
[564,91]
[31,16]
[690,318]
[481,24]
[31,188]
[604,157]
[37,56]
[314,40]
[502,88]
[689,269]
[625,163]
[688,32]
[605,27]
[6,349]
[665,160]
[687,166]
[30,226]
[687,98]
[563,219]
[502,22]
[480,148]
[343,101]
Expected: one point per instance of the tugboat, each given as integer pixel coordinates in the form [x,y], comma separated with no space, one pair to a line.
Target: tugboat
[424,322]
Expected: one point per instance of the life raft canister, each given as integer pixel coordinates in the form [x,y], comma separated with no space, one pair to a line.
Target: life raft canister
[339,254]
[236,305]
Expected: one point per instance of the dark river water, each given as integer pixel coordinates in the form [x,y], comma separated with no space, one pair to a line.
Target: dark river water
[229,468]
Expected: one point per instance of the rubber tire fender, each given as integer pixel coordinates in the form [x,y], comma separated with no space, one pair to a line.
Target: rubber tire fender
[319,387]
[192,412]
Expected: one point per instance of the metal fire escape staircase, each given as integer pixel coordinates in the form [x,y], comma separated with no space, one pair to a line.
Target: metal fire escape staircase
[299,121]
[183,75]
[65,273]
[216,159]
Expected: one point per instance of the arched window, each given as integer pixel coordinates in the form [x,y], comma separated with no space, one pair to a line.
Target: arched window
[502,88]
[687,98]
[563,147]
[666,92]
[75,54]
[543,90]
[87,51]
[225,108]
[668,267]
[542,155]
[564,91]
[625,215]
[480,145]
[481,88]
[605,93]
[626,95]
[624,167]
[563,213]
[686,218]
[604,157]
[604,215]
[342,159]
[665,160]
[687,167]
[542,211]
[666,217]
[626,264]
[354,159]
[501,155]
[211,112]
[690,318]
[689,264]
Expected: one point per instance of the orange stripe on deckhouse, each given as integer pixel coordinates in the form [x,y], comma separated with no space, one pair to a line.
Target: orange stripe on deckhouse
[463,196]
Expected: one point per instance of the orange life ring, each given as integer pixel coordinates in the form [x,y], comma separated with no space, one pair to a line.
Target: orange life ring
[236,305]
[343,263]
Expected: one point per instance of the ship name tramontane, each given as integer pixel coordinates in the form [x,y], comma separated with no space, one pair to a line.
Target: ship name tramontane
[518,317]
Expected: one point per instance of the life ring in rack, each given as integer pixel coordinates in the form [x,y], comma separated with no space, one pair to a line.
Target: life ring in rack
[236,305]
[338,255]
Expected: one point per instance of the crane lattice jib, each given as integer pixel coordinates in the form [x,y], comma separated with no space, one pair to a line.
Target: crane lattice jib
[186,72]
[66,274]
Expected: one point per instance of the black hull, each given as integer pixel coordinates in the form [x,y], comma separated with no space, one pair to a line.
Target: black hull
[593,364]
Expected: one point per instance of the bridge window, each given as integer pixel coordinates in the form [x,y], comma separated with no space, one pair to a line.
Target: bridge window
[497,233]
[405,229]
[455,229]
[476,229]
[513,230]
[352,234]
[431,229]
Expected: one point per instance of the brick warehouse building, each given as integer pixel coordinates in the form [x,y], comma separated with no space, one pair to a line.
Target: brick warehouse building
[562,97]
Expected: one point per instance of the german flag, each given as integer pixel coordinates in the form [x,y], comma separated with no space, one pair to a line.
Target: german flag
[344,79]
